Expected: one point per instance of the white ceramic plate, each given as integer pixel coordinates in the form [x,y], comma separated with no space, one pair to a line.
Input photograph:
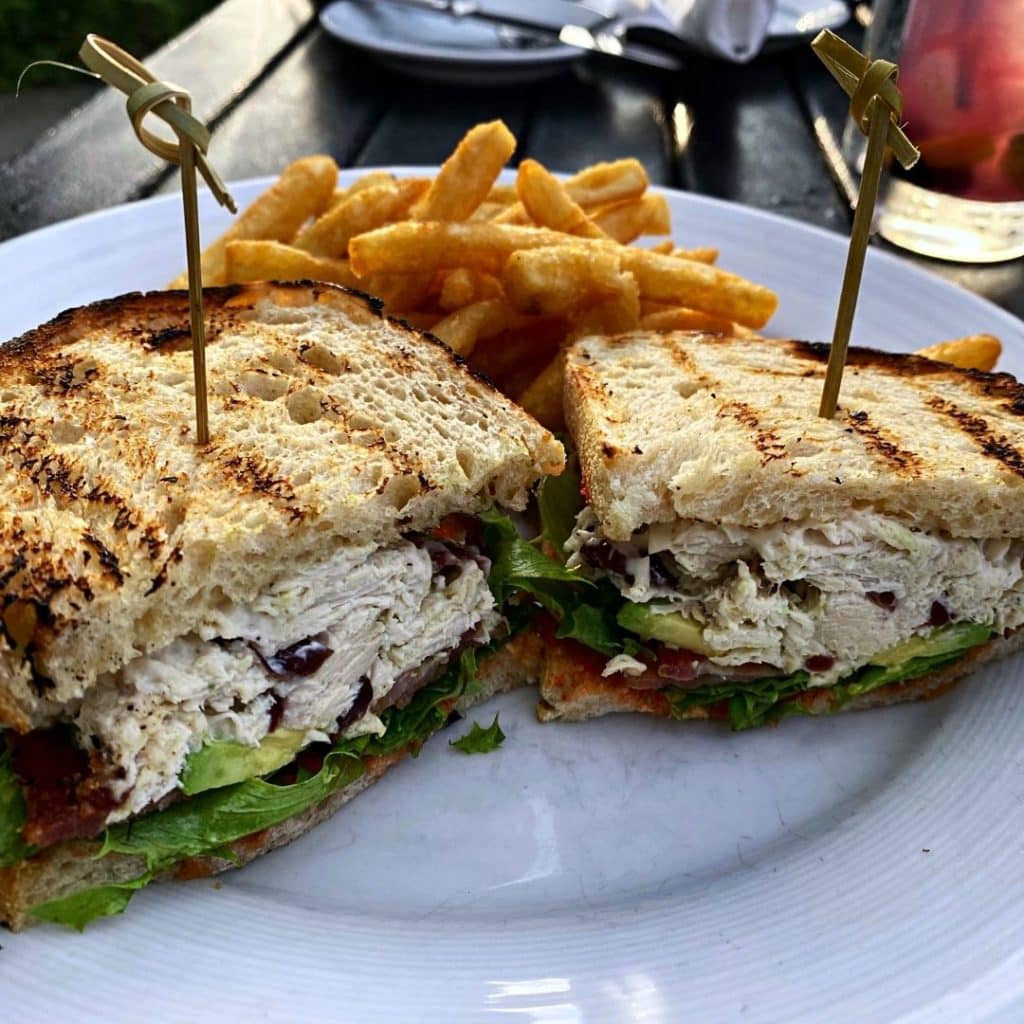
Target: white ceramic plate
[861,868]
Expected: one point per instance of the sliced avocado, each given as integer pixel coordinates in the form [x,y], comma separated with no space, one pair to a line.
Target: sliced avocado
[653,622]
[224,762]
[944,640]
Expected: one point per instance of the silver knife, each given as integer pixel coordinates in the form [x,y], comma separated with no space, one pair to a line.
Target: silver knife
[588,27]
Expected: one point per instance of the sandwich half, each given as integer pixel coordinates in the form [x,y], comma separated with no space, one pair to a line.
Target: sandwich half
[748,560]
[206,651]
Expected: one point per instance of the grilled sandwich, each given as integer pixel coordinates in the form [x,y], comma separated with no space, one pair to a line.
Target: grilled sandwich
[749,560]
[205,651]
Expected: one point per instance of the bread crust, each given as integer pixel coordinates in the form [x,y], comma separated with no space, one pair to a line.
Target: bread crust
[71,867]
[573,690]
[699,426]
[331,424]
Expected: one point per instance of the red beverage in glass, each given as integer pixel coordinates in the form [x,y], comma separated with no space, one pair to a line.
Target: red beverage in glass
[962,80]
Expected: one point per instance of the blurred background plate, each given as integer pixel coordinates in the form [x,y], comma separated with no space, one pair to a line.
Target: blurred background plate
[443,48]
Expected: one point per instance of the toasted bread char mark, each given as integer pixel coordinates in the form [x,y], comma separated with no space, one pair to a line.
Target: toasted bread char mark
[881,442]
[766,441]
[995,447]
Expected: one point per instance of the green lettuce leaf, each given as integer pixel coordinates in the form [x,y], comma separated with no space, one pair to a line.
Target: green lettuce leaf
[516,565]
[12,813]
[750,702]
[209,822]
[756,702]
[559,502]
[480,740]
[77,910]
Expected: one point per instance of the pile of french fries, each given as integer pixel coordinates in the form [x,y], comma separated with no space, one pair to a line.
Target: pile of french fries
[506,275]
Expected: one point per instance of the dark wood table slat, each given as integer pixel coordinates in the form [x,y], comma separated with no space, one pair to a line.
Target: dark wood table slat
[596,115]
[315,100]
[750,143]
[93,160]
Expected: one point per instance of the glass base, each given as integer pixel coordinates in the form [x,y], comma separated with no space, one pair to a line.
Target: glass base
[948,227]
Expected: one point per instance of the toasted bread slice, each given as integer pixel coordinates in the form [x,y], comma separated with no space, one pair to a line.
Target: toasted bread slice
[726,430]
[330,424]
[572,688]
[72,867]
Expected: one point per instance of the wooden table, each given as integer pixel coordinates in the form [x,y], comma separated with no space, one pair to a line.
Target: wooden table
[274,86]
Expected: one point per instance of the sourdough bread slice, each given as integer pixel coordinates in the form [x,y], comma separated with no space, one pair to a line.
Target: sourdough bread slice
[726,430]
[330,424]
[72,867]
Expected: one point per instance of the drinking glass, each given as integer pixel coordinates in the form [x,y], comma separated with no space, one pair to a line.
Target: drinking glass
[962,80]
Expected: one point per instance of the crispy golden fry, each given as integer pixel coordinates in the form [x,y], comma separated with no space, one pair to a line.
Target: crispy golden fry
[365,210]
[975,352]
[409,248]
[594,186]
[370,180]
[303,191]
[467,175]
[704,254]
[600,184]
[679,318]
[631,218]
[665,247]
[513,358]
[503,195]
[462,329]
[415,248]
[542,399]
[400,292]
[549,205]
[258,260]
[612,315]
[488,211]
[464,286]
[699,286]
[562,278]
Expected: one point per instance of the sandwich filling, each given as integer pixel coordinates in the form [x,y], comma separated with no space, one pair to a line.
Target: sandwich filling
[318,657]
[808,604]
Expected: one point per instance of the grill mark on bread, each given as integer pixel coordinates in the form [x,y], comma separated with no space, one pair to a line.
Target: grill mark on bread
[254,475]
[107,558]
[766,441]
[978,429]
[881,442]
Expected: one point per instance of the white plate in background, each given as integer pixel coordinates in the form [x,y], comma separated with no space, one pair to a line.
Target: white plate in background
[861,868]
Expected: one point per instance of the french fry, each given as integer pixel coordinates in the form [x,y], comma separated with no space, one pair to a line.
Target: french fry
[631,218]
[464,286]
[400,292]
[975,352]
[371,179]
[542,399]
[549,205]
[699,286]
[461,330]
[503,195]
[679,318]
[665,247]
[600,184]
[704,254]
[303,191]
[562,278]
[411,248]
[514,357]
[594,186]
[362,211]
[259,260]
[613,315]
[467,176]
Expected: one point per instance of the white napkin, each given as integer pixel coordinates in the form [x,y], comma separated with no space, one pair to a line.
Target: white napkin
[731,29]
